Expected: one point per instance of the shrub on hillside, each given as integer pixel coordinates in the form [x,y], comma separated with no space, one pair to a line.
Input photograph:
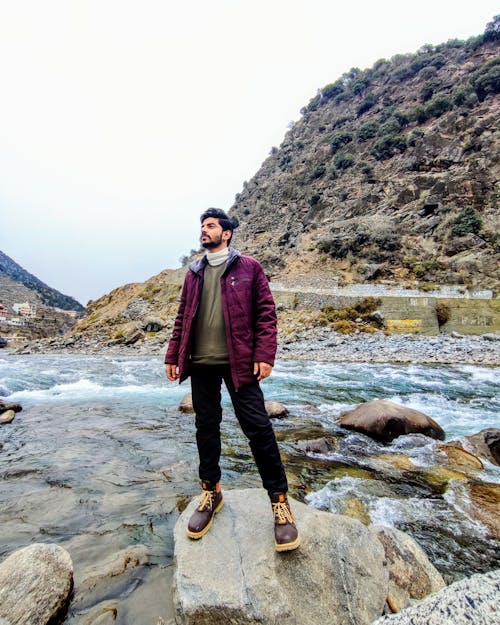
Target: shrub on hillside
[403,117]
[418,114]
[318,171]
[421,267]
[389,127]
[462,96]
[388,145]
[375,240]
[492,30]
[332,90]
[426,73]
[437,105]
[368,103]
[366,169]
[340,139]
[486,80]
[343,160]
[414,137]
[428,89]
[368,131]
[469,221]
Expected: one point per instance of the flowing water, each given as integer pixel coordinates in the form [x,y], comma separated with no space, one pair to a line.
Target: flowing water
[100,460]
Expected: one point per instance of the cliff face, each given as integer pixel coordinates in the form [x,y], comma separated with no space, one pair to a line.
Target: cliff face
[390,175]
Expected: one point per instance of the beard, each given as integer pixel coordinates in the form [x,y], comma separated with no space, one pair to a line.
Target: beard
[210,243]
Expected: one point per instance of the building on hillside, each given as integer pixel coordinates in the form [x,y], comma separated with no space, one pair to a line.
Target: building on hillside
[71,313]
[25,310]
[4,313]
[17,321]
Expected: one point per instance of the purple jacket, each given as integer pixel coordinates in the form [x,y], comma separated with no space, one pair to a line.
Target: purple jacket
[249,317]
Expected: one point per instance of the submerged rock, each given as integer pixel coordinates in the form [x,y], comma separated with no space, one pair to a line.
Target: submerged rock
[384,421]
[472,601]
[35,585]
[103,614]
[275,409]
[186,404]
[316,446]
[483,504]
[459,458]
[233,574]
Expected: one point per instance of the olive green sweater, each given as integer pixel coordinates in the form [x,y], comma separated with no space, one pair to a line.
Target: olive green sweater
[209,347]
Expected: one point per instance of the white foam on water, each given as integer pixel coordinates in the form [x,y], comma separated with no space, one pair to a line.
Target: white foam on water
[87,390]
[457,497]
[481,374]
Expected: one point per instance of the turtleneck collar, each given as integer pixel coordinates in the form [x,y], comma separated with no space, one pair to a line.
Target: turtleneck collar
[217,258]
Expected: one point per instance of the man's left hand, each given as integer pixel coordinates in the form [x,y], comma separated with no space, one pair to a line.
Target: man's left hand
[262,370]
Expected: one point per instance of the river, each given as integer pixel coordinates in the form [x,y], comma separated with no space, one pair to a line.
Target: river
[100,460]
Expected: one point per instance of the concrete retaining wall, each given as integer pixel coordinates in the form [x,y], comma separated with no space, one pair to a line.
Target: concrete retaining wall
[416,314]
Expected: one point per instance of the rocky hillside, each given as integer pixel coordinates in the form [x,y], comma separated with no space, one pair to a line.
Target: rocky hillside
[31,289]
[390,175]
[18,286]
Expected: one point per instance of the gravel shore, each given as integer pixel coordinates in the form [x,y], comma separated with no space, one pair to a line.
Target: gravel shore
[324,345]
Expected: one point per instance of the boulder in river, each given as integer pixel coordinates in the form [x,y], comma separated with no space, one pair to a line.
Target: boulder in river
[233,574]
[8,405]
[186,404]
[316,446]
[7,416]
[411,574]
[470,601]
[385,420]
[275,409]
[486,443]
[35,584]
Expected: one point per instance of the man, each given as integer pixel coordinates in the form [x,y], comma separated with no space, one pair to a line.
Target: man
[225,329]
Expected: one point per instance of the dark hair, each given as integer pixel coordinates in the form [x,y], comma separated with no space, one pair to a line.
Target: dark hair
[227,223]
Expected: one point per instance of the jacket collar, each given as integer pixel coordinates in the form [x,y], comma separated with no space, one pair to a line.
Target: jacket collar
[198,266]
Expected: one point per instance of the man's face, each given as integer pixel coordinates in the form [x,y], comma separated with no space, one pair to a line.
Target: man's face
[212,236]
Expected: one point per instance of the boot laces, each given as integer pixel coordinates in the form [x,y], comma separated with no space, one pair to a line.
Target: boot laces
[282,513]
[207,500]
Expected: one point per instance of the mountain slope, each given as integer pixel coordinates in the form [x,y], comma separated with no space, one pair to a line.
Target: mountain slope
[390,175]
[38,290]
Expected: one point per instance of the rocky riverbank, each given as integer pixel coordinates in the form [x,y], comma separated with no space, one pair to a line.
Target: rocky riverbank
[324,345]
[318,343]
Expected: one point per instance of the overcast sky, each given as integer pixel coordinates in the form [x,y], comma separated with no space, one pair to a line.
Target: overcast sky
[121,121]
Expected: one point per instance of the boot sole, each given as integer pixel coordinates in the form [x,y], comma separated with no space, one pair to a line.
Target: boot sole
[288,546]
[196,535]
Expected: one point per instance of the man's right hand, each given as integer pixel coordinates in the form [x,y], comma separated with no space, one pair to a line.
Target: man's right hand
[172,372]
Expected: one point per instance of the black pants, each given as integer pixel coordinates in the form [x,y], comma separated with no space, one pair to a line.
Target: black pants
[248,404]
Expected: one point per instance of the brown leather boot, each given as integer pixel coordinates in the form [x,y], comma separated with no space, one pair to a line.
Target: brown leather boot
[202,518]
[286,535]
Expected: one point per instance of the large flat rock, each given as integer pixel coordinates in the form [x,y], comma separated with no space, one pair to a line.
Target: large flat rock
[234,575]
